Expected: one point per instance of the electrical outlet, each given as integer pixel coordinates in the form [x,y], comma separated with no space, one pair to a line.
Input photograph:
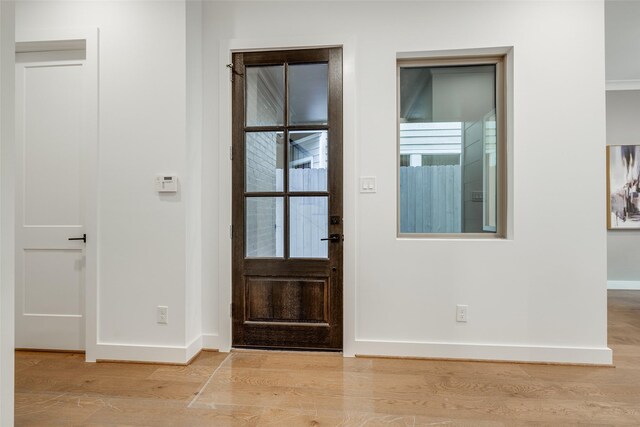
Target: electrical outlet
[461,313]
[163,314]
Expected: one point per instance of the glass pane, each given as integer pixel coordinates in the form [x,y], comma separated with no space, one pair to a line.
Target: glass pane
[264,96]
[308,223]
[264,231]
[489,173]
[308,94]
[308,152]
[264,161]
[448,150]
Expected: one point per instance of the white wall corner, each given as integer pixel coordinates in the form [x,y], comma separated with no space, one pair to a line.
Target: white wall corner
[215,342]
[193,348]
[630,285]
[193,189]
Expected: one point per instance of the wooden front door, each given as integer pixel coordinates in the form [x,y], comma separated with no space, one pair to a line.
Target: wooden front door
[287,199]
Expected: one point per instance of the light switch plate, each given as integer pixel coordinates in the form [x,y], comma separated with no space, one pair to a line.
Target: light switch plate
[368,184]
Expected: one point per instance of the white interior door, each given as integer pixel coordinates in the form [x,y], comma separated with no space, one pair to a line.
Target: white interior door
[50,268]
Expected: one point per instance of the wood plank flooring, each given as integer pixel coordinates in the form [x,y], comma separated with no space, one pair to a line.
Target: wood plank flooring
[317,389]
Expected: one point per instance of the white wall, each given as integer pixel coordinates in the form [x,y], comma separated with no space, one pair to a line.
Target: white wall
[623,127]
[142,236]
[622,34]
[521,291]
[6,211]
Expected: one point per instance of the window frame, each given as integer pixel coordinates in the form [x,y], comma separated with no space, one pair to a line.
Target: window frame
[501,141]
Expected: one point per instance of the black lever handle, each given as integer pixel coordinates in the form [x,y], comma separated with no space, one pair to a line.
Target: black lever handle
[333,238]
[83,238]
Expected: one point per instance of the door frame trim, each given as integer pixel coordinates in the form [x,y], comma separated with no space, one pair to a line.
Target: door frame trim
[222,340]
[90,170]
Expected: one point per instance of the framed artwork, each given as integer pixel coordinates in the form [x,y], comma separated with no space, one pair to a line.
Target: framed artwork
[623,187]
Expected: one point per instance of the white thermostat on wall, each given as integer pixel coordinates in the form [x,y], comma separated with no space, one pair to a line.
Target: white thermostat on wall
[167,183]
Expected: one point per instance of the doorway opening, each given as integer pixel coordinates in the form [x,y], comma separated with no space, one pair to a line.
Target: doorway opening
[287,202]
[55,193]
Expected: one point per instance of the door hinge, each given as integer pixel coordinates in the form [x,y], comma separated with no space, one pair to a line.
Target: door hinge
[232,72]
[230,67]
[231,231]
[230,152]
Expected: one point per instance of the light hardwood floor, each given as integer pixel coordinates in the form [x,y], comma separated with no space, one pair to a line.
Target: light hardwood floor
[304,389]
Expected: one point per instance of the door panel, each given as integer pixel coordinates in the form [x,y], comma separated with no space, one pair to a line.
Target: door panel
[287,300]
[287,277]
[50,277]
[52,108]
[49,267]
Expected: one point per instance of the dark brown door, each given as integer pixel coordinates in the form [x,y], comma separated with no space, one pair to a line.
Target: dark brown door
[287,199]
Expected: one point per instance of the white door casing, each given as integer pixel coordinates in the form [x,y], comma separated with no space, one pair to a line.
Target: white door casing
[51,194]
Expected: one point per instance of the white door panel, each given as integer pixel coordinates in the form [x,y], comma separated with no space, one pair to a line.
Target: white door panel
[50,271]
[52,109]
[50,277]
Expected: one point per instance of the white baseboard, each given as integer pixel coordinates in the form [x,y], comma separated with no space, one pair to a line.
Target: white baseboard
[146,353]
[622,85]
[509,353]
[158,354]
[194,348]
[214,342]
[633,285]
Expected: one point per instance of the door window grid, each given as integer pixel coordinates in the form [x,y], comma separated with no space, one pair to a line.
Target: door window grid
[304,180]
